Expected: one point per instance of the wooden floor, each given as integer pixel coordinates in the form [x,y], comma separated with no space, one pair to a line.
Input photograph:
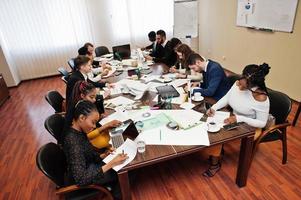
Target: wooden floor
[22,133]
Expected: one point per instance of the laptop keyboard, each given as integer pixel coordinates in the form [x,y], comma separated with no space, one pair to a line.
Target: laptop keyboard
[117,141]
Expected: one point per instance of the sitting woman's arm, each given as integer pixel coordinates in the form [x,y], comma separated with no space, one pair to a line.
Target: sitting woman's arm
[96,132]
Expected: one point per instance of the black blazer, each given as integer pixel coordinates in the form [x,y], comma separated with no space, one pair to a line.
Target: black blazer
[77,76]
[169,55]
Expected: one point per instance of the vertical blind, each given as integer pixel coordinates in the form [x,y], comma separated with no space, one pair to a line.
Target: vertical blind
[42,35]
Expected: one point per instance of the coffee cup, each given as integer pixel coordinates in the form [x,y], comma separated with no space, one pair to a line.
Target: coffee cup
[197,96]
[211,126]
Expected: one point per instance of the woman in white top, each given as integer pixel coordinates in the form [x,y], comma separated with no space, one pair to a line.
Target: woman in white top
[249,100]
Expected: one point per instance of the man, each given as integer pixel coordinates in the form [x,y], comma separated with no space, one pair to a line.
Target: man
[152,39]
[215,83]
[163,50]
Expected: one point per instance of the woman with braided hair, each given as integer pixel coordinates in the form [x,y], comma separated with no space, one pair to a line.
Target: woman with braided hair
[83,90]
[249,100]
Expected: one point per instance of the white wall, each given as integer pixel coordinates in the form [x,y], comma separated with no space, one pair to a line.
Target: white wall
[235,47]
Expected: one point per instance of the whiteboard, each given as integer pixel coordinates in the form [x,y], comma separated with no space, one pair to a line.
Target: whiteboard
[185,19]
[277,15]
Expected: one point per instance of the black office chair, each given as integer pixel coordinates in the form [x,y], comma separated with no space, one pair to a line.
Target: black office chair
[233,78]
[63,71]
[54,124]
[71,64]
[280,107]
[52,163]
[102,50]
[55,99]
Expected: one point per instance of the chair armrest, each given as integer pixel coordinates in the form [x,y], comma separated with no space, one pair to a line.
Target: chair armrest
[275,127]
[71,188]
[271,129]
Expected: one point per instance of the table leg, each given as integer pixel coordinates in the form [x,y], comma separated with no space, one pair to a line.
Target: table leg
[124,185]
[245,157]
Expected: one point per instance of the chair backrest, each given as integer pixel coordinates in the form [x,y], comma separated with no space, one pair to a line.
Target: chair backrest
[233,78]
[65,79]
[55,99]
[54,124]
[102,50]
[71,63]
[63,71]
[280,105]
[51,161]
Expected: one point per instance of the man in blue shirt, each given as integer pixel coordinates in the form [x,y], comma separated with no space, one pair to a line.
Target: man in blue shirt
[215,83]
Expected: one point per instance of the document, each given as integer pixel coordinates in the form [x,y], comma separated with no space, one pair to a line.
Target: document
[129,147]
[164,136]
[178,82]
[117,101]
[219,118]
[119,115]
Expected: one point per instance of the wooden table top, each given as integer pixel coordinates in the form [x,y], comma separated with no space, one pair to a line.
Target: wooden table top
[158,153]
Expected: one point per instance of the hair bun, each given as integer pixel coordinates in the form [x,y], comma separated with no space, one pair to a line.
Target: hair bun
[265,68]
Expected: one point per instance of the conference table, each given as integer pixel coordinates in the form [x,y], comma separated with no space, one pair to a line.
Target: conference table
[159,153]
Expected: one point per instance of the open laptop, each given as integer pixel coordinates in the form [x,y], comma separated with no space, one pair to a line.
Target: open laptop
[126,130]
[122,52]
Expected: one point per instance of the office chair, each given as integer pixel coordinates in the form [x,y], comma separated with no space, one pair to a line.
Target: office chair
[63,71]
[297,114]
[102,50]
[55,99]
[71,64]
[280,107]
[65,79]
[52,163]
[54,124]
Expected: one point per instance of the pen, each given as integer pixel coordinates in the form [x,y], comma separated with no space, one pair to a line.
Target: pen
[122,151]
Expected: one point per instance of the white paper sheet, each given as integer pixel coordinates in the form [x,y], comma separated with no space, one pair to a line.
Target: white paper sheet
[119,115]
[129,147]
[163,136]
[178,82]
[185,118]
[120,100]
[219,118]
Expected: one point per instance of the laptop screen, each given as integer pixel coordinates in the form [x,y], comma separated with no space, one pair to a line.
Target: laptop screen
[122,52]
[127,129]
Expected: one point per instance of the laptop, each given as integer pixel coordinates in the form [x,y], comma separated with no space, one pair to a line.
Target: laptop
[167,91]
[126,130]
[122,52]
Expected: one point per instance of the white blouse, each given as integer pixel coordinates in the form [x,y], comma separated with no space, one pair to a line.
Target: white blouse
[245,107]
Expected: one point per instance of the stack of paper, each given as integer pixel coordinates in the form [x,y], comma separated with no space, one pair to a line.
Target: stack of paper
[129,147]
[120,101]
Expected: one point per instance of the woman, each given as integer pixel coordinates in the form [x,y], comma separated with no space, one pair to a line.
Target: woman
[250,103]
[99,69]
[82,90]
[82,68]
[85,165]
[183,51]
